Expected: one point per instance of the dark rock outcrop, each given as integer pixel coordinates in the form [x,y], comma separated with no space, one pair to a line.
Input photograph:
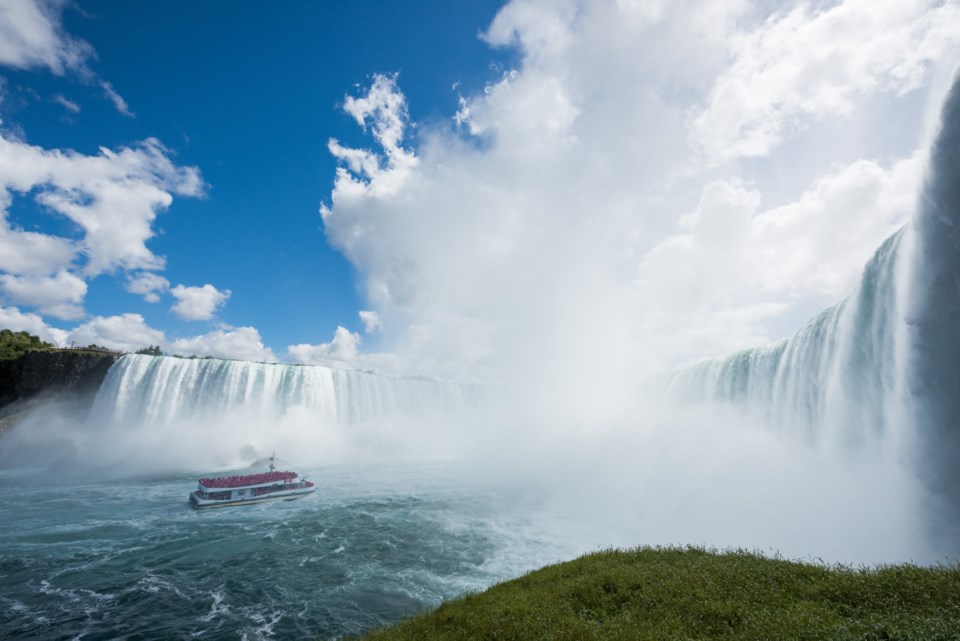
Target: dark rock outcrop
[54,372]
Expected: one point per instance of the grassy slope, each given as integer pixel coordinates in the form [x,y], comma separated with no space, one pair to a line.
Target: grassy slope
[695,594]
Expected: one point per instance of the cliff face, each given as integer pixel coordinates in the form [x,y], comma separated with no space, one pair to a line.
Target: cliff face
[53,372]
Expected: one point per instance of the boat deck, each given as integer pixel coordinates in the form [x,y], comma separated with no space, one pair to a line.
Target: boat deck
[244,489]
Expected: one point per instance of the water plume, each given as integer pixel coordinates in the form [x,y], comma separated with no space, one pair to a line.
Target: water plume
[163,414]
[876,374]
[808,446]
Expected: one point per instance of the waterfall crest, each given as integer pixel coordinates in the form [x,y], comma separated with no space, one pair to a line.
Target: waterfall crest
[159,390]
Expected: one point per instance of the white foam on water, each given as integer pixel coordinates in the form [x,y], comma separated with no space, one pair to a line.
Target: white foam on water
[217,608]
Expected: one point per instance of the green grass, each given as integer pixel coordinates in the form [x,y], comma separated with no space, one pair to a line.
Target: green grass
[676,593]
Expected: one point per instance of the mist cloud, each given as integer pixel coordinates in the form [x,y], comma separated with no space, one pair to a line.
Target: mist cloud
[568,215]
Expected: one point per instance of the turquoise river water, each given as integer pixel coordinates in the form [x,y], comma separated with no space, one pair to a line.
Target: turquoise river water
[130,559]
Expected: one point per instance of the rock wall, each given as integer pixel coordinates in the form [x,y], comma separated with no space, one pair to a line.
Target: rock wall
[53,372]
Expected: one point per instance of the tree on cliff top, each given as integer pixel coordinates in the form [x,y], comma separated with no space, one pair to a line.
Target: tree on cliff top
[16,344]
[153,350]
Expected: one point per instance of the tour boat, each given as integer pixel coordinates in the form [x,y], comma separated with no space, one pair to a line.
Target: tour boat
[246,489]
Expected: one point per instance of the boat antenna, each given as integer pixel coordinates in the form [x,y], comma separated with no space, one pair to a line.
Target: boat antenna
[285,463]
[272,457]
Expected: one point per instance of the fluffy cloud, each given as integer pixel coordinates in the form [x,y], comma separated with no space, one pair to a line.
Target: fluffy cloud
[816,61]
[242,343]
[31,35]
[384,109]
[130,332]
[198,303]
[60,295]
[815,246]
[32,253]
[148,285]
[342,350]
[810,252]
[819,244]
[126,332]
[568,224]
[371,320]
[13,319]
[113,197]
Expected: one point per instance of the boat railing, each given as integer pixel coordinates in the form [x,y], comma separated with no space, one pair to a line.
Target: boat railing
[247,479]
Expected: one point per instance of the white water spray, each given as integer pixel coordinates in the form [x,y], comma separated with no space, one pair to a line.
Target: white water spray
[159,391]
[877,372]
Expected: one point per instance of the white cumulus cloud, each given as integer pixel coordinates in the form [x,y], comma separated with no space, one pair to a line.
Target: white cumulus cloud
[198,303]
[13,319]
[131,332]
[60,295]
[31,35]
[148,285]
[371,320]
[241,343]
[341,350]
[125,332]
[567,222]
[816,61]
[31,253]
[384,110]
[113,197]
[809,252]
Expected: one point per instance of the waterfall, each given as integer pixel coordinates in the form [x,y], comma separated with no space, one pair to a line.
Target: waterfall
[159,390]
[840,376]
[933,319]
[883,366]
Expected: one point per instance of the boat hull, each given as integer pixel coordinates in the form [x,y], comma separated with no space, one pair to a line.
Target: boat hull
[285,495]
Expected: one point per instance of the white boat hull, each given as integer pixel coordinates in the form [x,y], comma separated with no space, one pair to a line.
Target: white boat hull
[280,495]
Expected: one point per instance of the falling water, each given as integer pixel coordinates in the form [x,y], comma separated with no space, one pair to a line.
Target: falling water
[160,390]
[840,376]
[880,369]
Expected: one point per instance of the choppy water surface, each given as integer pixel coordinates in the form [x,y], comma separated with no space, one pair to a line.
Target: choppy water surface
[130,559]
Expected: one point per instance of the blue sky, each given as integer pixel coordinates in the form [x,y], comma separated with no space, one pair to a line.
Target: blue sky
[248,93]
[586,186]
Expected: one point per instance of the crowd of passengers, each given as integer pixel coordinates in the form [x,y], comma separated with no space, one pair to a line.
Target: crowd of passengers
[249,479]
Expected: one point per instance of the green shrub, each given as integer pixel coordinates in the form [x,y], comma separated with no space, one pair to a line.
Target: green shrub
[15,344]
[153,350]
